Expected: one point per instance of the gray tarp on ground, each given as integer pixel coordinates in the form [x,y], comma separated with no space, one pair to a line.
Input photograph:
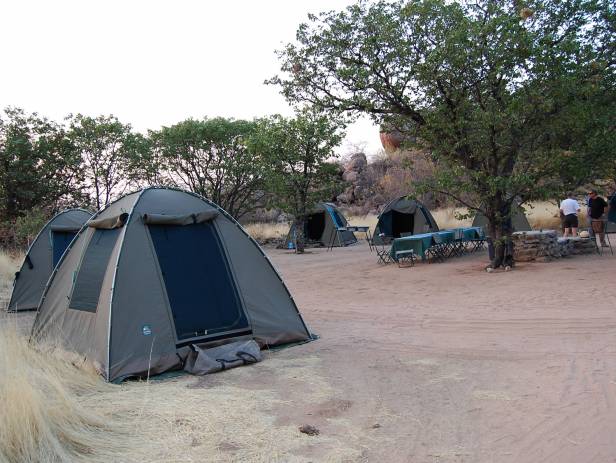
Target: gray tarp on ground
[30,281]
[132,330]
[325,224]
[403,215]
[205,361]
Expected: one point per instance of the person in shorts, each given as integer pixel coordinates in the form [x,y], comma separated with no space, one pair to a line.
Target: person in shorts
[570,209]
[598,208]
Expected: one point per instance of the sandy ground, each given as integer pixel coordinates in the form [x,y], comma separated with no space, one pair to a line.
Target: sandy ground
[436,363]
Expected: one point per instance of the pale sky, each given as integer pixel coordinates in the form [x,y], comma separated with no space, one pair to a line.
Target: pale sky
[151,62]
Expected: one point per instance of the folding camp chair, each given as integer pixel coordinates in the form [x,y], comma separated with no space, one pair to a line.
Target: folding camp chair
[457,246]
[383,250]
[438,250]
[478,242]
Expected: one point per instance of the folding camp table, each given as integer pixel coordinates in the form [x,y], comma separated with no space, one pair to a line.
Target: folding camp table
[365,229]
[335,235]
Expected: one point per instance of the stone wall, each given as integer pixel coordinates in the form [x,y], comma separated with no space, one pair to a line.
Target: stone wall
[545,245]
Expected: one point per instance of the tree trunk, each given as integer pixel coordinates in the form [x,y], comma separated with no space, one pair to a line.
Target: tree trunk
[299,234]
[500,225]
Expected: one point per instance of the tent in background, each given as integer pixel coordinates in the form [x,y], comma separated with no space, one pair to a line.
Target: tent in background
[42,256]
[324,224]
[156,272]
[519,221]
[400,216]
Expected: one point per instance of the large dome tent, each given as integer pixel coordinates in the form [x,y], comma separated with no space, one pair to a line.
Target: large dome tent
[42,256]
[155,272]
[323,224]
[403,216]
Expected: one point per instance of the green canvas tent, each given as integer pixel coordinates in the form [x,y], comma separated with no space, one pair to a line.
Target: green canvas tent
[42,256]
[324,224]
[156,272]
[403,215]
[518,221]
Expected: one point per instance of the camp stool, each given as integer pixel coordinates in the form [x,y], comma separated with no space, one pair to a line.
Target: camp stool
[407,256]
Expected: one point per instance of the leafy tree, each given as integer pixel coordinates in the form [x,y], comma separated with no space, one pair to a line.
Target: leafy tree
[296,152]
[210,157]
[108,149]
[38,167]
[146,165]
[514,99]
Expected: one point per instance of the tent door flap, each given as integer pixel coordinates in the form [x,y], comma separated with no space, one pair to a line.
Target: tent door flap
[202,294]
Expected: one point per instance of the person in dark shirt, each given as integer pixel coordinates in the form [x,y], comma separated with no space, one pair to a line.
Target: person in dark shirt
[611,215]
[598,208]
[588,219]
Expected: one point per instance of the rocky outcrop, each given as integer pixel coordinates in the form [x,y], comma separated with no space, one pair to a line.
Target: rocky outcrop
[354,173]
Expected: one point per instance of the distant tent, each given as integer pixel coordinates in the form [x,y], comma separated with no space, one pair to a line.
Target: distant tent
[156,272]
[42,256]
[403,215]
[323,224]
[518,221]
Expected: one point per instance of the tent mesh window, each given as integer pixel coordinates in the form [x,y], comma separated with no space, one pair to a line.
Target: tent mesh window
[201,291]
[59,243]
[89,281]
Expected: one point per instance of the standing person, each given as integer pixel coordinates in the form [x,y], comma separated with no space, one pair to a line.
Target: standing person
[570,208]
[611,214]
[588,218]
[598,208]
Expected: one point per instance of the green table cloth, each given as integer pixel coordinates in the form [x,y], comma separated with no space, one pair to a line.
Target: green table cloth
[447,236]
[471,233]
[418,243]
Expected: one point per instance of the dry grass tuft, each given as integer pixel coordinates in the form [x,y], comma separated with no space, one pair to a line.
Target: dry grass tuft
[369,219]
[42,419]
[447,218]
[8,266]
[545,215]
[54,408]
[266,231]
